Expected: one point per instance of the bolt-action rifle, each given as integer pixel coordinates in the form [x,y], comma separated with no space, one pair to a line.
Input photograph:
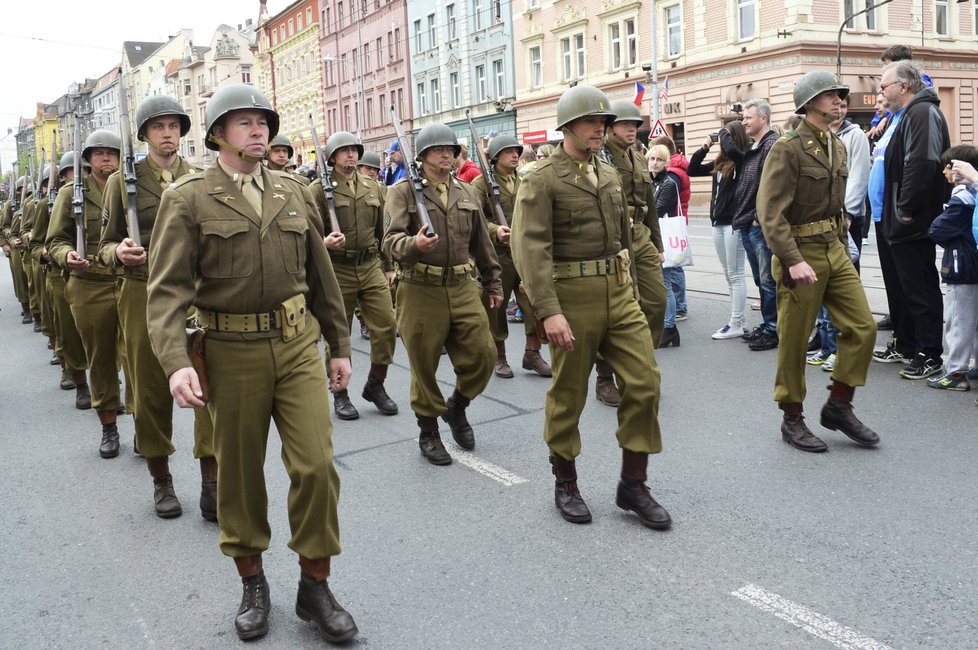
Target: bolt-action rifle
[334,223]
[78,196]
[128,175]
[490,175]
[55,173]
[414,174]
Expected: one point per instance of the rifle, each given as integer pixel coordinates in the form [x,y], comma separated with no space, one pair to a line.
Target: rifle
[128,176]
[53,176]
[334,223]
[37,193]
[412,169]
[78,197]
[13,190]
[490,174]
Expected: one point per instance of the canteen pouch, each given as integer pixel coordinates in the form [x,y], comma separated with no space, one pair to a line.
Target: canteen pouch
[292,317]
[624,264]
[195,348]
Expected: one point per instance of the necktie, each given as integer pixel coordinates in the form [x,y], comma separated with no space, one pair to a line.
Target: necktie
[166,177]
[251,193]
[442,189]
[592,175]
[352,184]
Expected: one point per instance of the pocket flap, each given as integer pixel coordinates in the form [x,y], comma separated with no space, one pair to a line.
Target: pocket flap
[225,228]
[292,224]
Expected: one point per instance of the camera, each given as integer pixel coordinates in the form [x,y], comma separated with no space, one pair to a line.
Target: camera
[647,67]
[715,137]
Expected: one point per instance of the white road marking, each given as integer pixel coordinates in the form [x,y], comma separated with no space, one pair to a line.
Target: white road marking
[809,620]
[495,472]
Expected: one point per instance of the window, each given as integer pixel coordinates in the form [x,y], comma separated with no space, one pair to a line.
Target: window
[674,31]
[327,25]
[456,89]
[281,33]
[417,36]
[191,148]
[347,122]
[533,4]
[369,112]
[746,19]
[366,57]
[614,42]
[186,87]
[422,99]
[499,79]
[308,15]
[343,67]
[940,17]
[536,67]
[246,74]
[339,14]
[477,16]
[435,96]
[480,83]
[356,63]
[397,43]
[566,60]
[975,20]
[631,43]
[450,21]
[579,48]
[382,113]
[871,17]
[291,27]
[380,48]
[390,45]
[298,22]
[432,34]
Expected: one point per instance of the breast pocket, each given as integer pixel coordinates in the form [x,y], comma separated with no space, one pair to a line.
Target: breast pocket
[569,213]
[467,213]
[292,232]
[225,250]
[813,185]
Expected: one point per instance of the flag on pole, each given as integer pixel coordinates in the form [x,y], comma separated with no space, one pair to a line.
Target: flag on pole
[664,88]
[639,93]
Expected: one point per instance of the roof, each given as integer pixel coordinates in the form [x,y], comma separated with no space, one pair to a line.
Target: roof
[138,51]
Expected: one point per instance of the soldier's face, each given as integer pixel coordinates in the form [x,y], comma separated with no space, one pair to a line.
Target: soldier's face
[278,155]
[440,159]
[103,161]
[625,131]
[590,130]
[164,134]
[369,172]
[346,157]
[246,130]
[508,159]
[828,103]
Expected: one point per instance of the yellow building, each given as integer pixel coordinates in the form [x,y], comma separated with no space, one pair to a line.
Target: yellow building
[46,138]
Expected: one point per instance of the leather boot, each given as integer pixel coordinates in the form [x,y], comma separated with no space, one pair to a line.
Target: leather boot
[457,422]
[109,447]
[26,317]
[534,362]
[55,360]
[67,383]
[83,397]
[167,504]
[606,390]
[208,488]
[795,432]
[502,368]
[837,415]
[567,497]
[315,602]
[364,331]
[252,619]
[344,407]
[375,392]
[430,441]
[37,322]
[670,338]
[634,494]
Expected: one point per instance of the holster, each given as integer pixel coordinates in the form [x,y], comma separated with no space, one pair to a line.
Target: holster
[195,349]
[292,317]
[624,265]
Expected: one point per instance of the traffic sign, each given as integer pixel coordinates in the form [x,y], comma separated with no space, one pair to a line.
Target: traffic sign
[658,130]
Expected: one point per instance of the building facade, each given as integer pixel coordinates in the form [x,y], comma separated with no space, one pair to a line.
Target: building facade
[105,101]
[290,71]
[366,68]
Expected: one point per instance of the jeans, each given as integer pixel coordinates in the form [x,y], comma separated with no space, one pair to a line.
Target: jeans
[827,332]
[675,281]
[730,250]
[759,256]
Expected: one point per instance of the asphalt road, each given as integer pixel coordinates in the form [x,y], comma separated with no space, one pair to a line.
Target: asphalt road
[771,547]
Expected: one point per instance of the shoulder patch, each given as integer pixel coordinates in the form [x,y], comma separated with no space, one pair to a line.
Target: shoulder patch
[790,135]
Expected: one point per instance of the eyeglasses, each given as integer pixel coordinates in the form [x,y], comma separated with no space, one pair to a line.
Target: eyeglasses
[885,86]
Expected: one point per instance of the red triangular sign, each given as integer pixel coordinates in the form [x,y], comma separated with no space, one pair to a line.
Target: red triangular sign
[658,130]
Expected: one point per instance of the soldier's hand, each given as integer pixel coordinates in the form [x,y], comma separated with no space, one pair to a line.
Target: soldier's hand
[803,273]
[389,276]
[335,241]
[6,250]
[502,234]
[964,173]
[423,242]
[130,254]
[559,332]
[339,373]
[44,254]
[495,300]
[185,388]
[76,263]
[19,243]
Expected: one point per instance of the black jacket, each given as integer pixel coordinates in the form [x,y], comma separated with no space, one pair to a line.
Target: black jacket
[665,189]
[723,197]
[750,164]
[916,189]
[952,231]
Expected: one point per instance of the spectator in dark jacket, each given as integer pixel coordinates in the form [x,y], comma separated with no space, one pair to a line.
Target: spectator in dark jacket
[676,166]
[723,206]
[914,195]
[665,190]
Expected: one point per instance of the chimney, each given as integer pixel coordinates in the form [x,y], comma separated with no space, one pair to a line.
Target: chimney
[239,27]
[247,22]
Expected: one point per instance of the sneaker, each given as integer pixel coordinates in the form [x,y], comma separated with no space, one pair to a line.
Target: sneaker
[517,316]
[885,323]
[921,367]
[951,381]
[753,334]
[681,315]
[817,358]
[973,373]
[765,341]
[889,354]
[829,364]
[727,332]
[756,305]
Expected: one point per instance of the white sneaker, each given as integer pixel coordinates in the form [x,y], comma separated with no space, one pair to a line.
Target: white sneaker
[728,332]
[829,364]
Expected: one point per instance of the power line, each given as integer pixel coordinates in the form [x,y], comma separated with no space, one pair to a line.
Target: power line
[48,40]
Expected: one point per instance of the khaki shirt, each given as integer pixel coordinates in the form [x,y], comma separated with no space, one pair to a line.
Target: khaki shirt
[149,193]
[798,186]
[507,200]
[462,232]
[211,250]
[561,217]
[636,182]
[60,238]
[359,211]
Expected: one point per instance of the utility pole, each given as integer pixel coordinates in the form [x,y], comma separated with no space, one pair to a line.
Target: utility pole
[655,65]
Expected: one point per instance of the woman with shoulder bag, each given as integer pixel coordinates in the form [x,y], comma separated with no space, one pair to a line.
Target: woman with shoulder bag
[665,189]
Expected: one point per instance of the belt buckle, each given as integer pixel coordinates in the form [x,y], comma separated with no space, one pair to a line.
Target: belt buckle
[445,273]
[583,269]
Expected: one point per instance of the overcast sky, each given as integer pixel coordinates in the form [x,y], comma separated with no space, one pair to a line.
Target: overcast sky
[45,51]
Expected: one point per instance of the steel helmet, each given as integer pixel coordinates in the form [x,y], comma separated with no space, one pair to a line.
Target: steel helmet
[20,183]
[67,162]
[46,174]
[237,97]
[501,142]
[436,135]
[626,111]
[101,139]
[282,140]
[159,106]
[814,83]
[339,140]
[370,159]
[582,101]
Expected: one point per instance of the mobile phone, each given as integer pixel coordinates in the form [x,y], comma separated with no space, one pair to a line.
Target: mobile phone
[715,137]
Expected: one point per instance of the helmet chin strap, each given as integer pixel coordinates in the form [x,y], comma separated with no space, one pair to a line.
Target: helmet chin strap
[579,142]
[227,146]
[159,152]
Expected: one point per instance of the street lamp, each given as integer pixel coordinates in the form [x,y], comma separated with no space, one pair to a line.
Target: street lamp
[359,79]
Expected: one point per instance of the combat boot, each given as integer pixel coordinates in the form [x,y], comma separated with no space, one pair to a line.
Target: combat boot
[25,313]
[315,602]
[457,422]
[795,432]
[534,362]
[252,619]
[429,441]
[634,494]
[837,415]
[375,392]
[607,392]
[37,322]
[567,497]
[109,448]
[83,397]
[344,407]
[167,505]
[208,488]
[67,382]
[502,368]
